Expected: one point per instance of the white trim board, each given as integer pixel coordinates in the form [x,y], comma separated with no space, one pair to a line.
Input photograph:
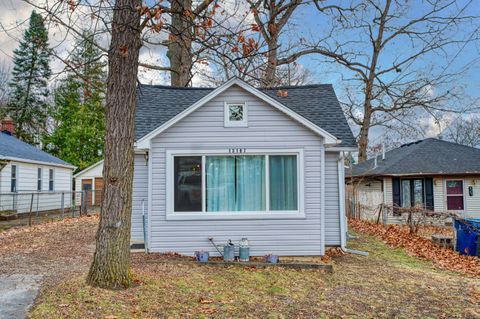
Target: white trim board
[26,160]
[144,142]
[88,168]
[204,215]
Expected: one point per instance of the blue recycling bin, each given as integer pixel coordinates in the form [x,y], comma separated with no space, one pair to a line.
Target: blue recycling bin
[467,236]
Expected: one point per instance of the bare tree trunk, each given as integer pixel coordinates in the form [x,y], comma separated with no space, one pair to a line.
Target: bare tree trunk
[111,263]
[367,106]
[180,48]
[271,61]
[363,138]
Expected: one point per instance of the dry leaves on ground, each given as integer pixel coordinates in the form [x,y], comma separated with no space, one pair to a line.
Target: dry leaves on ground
[52,249]
[416,245]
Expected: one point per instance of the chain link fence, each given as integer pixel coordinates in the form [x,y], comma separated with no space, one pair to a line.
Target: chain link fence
[28,208]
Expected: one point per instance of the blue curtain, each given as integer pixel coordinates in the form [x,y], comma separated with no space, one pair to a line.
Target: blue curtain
[235,183]
[220,192]
[283,182]
[250,183]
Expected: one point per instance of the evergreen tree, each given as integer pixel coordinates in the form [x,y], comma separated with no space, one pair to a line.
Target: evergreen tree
[28,95]
[79,112]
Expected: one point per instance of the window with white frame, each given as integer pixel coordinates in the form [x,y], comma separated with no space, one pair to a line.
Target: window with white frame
[455,195]
[235,114]
[51,180]
[39,179]
[13,179]
[226,183]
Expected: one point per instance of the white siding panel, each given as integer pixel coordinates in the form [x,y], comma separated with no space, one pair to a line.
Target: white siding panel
[438,194]
[267,128]
[473,202]
[387,191]
[139,195]
[332,208]
[369,195]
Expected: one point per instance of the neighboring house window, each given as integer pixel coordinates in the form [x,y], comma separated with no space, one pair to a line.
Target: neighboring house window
[13,180]
[236,183]
[455,195]
[39,179]
[235,115]
[413,193]
[50,180]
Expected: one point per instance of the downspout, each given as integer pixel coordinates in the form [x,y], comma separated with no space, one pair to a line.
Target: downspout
[149,198]
[342,216]
[145,240]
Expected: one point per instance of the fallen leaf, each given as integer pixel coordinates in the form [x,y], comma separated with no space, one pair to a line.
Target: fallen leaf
[205,301]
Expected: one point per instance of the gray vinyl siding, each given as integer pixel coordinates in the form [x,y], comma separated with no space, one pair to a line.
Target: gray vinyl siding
[140,192]
[267,128]
[332,209]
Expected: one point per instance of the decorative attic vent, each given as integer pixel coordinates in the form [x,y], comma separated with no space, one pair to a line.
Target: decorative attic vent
[235,114]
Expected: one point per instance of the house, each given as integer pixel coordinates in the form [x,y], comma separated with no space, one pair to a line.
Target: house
[27,171]
[236,161]
[438,175]
[90,181]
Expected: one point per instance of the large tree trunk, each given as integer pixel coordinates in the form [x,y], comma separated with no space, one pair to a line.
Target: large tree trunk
[369,84]
[111,262]
[269,79]
[363,138]
[180,47]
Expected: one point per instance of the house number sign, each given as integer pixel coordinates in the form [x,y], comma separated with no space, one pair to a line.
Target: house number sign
[237,150]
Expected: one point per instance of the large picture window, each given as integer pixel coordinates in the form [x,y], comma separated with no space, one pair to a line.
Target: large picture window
[235,183]
[231,183]
[455,195]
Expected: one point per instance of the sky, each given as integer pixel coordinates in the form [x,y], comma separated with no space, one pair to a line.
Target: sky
[307,23]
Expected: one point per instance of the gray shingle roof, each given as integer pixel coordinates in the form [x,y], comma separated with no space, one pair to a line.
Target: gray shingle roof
[429,156]
[157,104]
[10,147]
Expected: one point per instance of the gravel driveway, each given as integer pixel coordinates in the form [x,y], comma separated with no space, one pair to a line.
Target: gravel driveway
[32,258]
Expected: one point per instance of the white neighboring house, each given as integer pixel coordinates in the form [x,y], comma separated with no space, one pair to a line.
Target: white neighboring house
[90,180]
[27,170]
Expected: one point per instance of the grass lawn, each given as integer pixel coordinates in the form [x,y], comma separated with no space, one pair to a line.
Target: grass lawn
[386,284]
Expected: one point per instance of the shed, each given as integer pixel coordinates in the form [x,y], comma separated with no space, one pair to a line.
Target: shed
[90,180]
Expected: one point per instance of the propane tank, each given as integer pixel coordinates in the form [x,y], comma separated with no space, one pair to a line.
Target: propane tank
[244,250]
[229,251]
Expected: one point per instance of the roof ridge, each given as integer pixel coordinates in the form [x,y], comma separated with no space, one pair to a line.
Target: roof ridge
[306,86]
[407,152]
[175,87]
[454,143]
[411,148]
